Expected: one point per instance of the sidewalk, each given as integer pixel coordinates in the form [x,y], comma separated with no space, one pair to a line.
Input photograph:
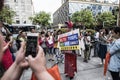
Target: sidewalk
[85,71]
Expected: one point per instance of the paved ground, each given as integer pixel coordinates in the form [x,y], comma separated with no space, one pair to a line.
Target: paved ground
[86,71]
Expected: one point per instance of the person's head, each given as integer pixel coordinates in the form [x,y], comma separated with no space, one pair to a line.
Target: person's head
[32,30]
[42,34]
[22,34]
[7,38]
[59,32]
[46,35]
[89,33]
[49,33]
[116,32]
[105,31]
[1,46]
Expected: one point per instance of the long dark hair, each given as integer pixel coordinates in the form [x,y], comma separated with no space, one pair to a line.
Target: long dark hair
[116,30]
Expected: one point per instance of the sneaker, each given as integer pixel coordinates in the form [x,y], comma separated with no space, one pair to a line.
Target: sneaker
[101,63]
[79,55]
[85,61]
[56,62]
[63,61]
[88,58]
[52,59]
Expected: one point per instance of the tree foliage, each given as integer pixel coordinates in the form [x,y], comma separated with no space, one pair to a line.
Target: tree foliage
[6,15]
[107,19]
[42,18]
[83,17]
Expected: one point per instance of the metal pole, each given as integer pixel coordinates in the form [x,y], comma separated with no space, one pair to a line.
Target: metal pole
[119,12]
[117,20]
[103,24]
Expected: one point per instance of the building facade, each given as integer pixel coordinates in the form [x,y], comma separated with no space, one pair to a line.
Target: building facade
[23,10]
[69,7]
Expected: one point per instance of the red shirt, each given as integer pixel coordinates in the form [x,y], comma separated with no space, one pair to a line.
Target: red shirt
[7,58]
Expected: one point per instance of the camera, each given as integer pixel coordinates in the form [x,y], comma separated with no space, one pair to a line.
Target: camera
[32,42]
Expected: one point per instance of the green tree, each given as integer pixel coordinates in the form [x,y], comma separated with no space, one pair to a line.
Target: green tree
[6,15]
[42,18]
[107,19]
[83,17]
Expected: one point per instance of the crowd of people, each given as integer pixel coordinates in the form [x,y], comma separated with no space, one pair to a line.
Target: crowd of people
[12,67]
[102,41]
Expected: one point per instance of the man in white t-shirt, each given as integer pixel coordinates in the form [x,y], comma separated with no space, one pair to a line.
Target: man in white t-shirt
[96,46]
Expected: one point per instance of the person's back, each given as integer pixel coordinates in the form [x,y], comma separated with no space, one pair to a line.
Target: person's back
[114,63]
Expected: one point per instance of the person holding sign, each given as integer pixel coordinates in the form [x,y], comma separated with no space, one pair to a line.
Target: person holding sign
[69,42]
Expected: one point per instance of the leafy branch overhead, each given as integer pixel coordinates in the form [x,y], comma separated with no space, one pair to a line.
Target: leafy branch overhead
[6,15]
[42,18]
[84,17]
[107,18]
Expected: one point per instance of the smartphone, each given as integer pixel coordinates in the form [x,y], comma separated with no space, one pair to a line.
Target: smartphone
[31,45]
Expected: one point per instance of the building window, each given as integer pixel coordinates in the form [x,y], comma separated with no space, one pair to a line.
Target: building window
[24,22]
[17,21]
[6,1]
[15,1]
[22,1]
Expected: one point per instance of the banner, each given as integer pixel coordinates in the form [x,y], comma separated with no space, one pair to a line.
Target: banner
[69,40]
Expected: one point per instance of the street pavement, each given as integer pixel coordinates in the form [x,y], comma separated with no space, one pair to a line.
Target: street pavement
[92,70]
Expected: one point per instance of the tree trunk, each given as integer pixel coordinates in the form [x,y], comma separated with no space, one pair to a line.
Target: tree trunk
[1,4]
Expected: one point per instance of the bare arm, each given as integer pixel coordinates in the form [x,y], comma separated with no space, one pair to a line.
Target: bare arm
[38,65]
[42,75]
[5,47]
[13,73]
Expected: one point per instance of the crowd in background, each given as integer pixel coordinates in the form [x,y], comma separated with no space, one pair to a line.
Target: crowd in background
[11,66]
[100,41]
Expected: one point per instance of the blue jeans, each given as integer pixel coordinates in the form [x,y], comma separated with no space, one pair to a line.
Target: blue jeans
[50,50]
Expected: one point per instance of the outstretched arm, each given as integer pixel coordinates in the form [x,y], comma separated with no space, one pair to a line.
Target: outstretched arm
[15,71]
[38,65]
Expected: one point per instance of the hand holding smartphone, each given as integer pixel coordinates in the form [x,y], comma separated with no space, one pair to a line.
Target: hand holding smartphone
[31,45]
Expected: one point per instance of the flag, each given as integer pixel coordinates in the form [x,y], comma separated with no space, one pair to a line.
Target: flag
[107,59]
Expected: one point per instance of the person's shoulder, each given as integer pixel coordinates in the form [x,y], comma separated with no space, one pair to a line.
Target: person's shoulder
[117,43]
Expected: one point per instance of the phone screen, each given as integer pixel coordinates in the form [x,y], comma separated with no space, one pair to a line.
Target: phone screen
[31,47]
